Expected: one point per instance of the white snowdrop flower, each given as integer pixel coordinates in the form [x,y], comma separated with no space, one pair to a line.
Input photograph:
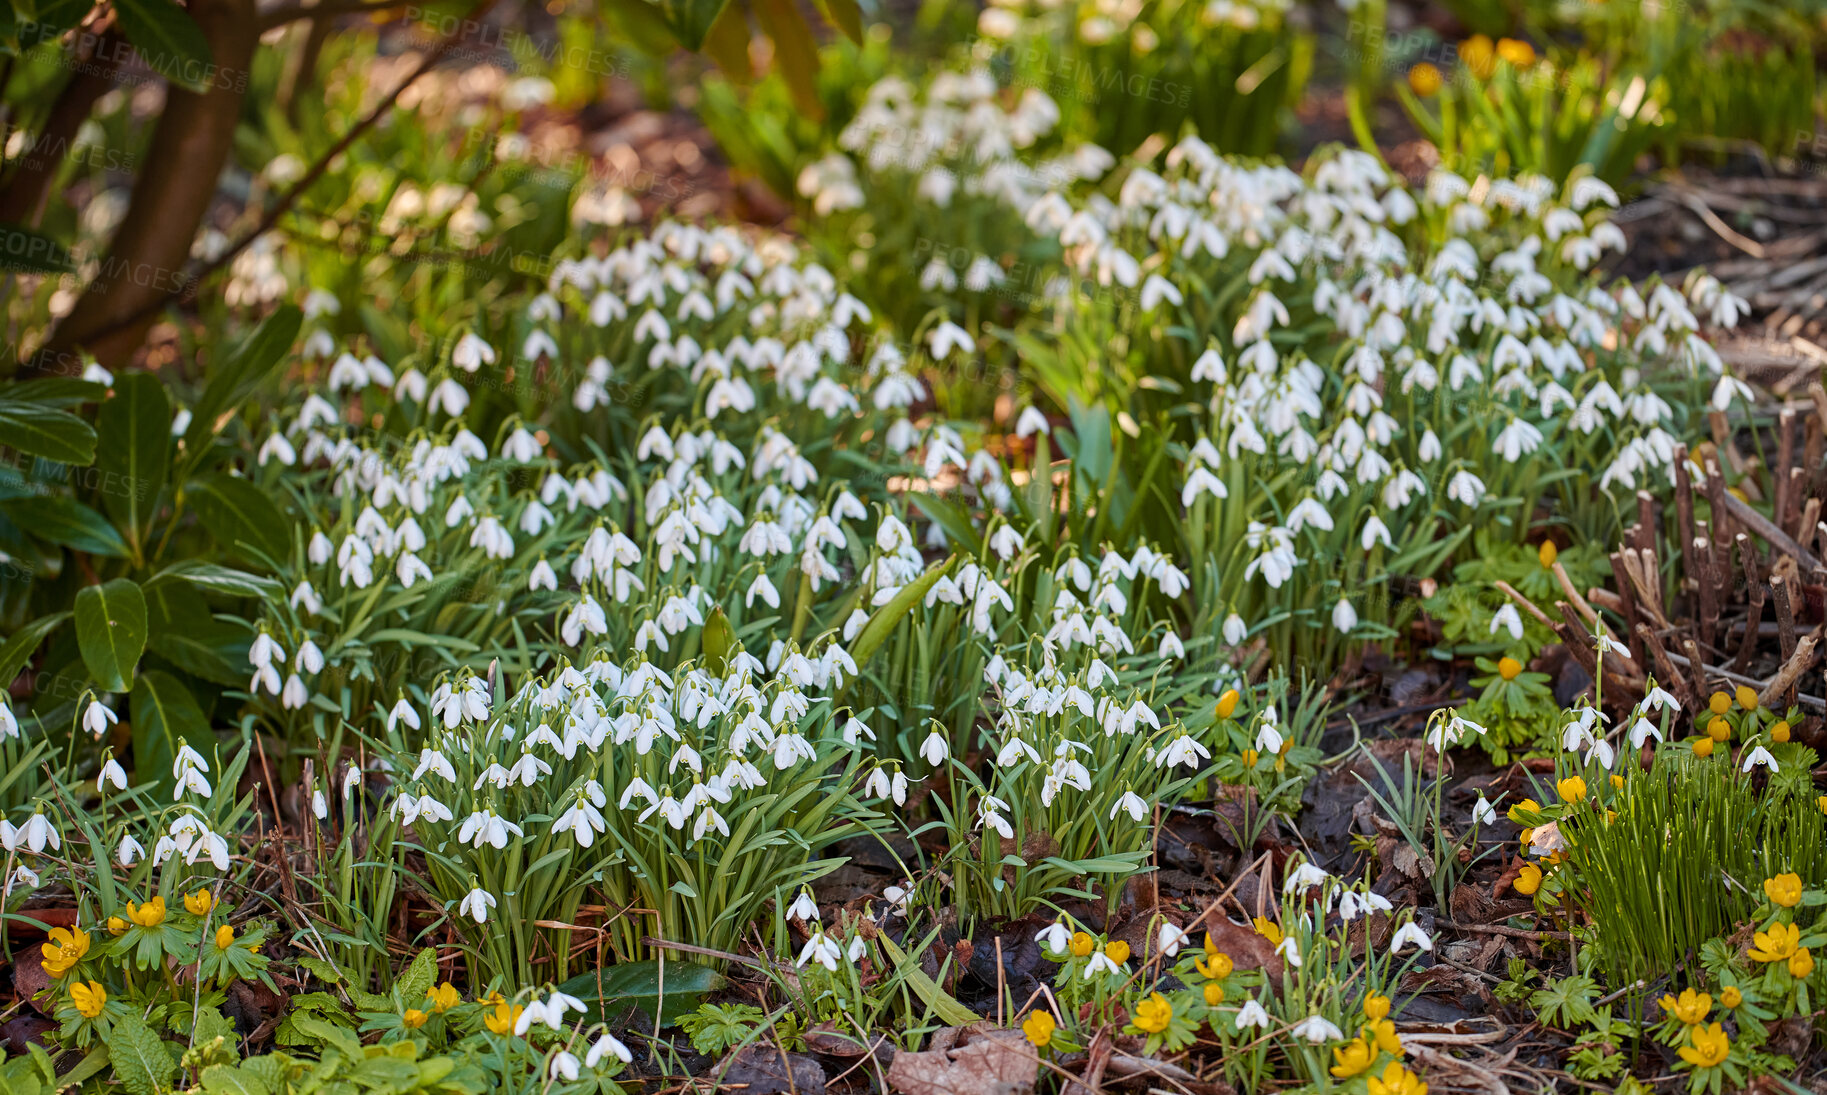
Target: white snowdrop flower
[1171,647]
[1465,487]
[1641,731]
[9,725]
[948,336]
[1304,877]
[605,1046]
[1483,813]
[129,851]
[1410,933]
[1101,962]
[1183,750]
[1375,531]
[1132,804]
[111,772]
[564,1066]
[822,949]
[1171,938]
[1608,645]
[98,717]
[1658,698]
[1344,617]
[1235,630]
[477,903]
[1762,756]
[542,577]
[1289,950]
[1508,620]
[1252,1014]
[320,809]
[35,835]
[803,908]
[1056,936]
[1729,388]
[934,750]
[1317,1030]
[471,353]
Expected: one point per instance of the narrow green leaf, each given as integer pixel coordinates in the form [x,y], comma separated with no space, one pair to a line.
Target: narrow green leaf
[944,1005]
[883,623]
[231,382]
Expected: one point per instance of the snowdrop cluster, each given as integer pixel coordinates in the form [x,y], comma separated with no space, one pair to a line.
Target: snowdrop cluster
[1370,325]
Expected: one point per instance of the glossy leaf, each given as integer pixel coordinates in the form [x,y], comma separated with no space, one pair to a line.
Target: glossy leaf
[111,631]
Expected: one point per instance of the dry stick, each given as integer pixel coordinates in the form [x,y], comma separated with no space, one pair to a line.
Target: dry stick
[1503,929]
[1644,536]
[1785,462]
[1784,681]
[1709,597]
[1785,614]
[1627,596]
[1684,513]
[1755,612]
[187,289]
[1767,529]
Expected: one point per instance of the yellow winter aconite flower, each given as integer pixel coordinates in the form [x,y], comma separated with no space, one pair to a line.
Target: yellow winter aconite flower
[1777,944]
[1383,1033]
[1730,997]
[1425,79]
[1517,52]
[1690,1007]
[89,998]
[1268,929]
[66,948]
[1719,703]
[1081,944]
[1528,880]
[1801,964]
[1214,994]
[1376,1007]
[1524,808]
[1747,698]
[117,926]
[1710,1046]
[149,915]
[503,1018]
[225,937]
[1508,668]
[1249,758]
[1227,703]
[198,903]
[1822,803]
[414,1018]
[1703,747]
[1038,1028]
[1547,553]
[1153,1014]
[1779,733]
[1784,889]
[1572,789]
[444,997]
[1117,951]
[1353,1058]
[1397,1080]
[1719,730]
[1216,964]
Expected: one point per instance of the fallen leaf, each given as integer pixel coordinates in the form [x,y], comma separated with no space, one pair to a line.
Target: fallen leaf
[765,1070]
[991,1062]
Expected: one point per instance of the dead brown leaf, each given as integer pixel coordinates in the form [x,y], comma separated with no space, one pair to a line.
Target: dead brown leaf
[968,1062]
